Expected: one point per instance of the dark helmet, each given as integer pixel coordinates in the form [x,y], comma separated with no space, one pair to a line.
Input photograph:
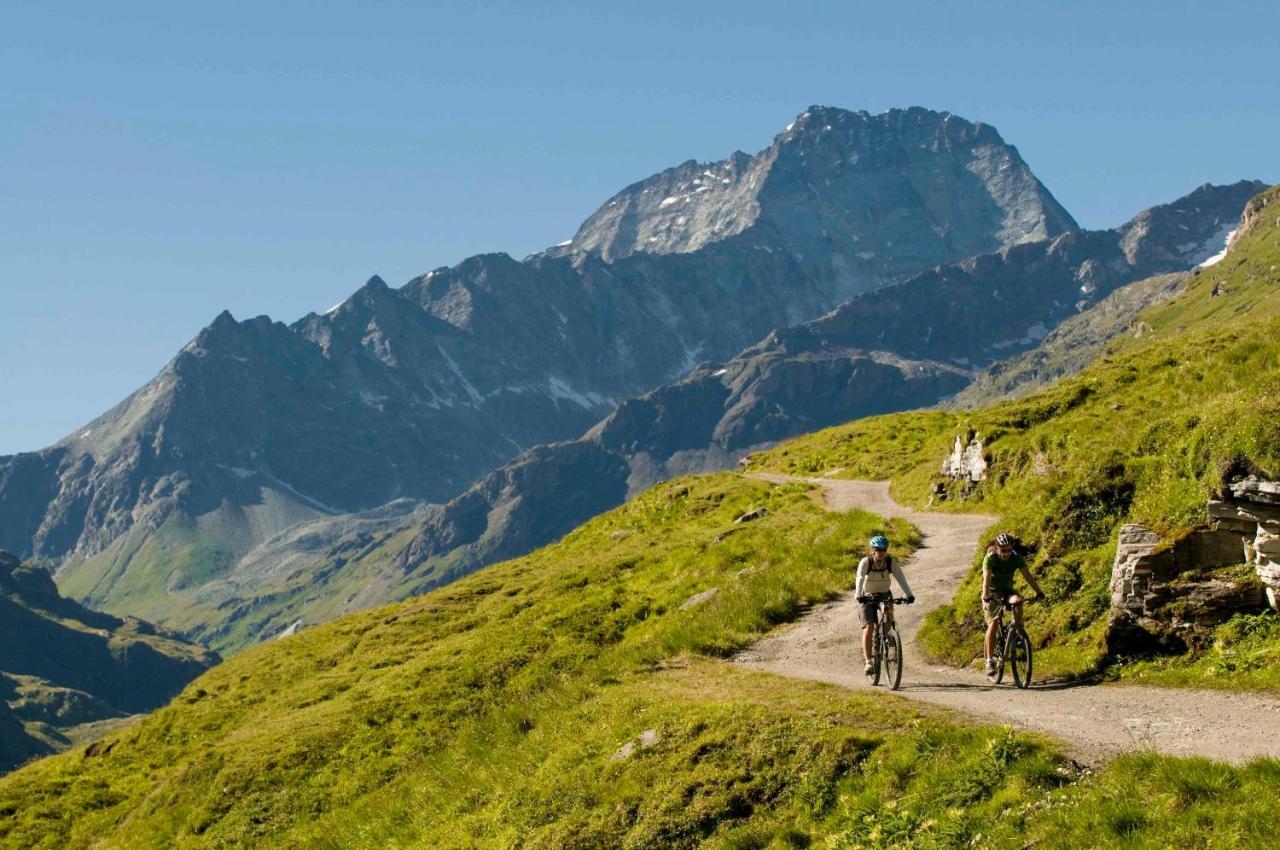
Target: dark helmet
[1003,539]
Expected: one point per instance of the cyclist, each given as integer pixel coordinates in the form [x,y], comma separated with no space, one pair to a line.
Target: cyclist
[998,569]
[873,581]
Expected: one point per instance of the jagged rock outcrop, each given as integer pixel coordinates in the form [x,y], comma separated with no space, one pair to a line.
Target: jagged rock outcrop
[1251,509]
[1165,595]
[824,187]
[62,665]
[966,461]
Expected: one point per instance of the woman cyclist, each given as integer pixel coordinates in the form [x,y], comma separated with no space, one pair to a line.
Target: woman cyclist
[873,583]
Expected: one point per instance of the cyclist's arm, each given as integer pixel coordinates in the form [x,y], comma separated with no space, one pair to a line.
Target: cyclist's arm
[862,579]
[1031,580]
[902,579]
[986,582]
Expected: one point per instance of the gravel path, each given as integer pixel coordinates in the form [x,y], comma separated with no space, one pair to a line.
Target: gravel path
[1097,721]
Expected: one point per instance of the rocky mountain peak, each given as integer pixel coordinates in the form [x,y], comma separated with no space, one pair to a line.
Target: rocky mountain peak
[1189,230]
[859,199]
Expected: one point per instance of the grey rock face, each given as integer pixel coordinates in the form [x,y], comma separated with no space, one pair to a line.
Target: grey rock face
[905,346]
[1072,345]
[991,307]
[860,200]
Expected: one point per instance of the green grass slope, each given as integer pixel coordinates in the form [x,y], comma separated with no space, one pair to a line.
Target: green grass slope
[577,698]
[1147,433]
[315,722]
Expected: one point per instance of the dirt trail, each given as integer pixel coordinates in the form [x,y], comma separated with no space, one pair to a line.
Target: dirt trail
[1096,721]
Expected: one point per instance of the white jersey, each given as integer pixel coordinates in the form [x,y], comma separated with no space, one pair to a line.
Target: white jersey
[873,578]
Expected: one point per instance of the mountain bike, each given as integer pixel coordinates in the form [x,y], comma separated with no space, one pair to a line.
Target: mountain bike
[886,643]
[1012,645]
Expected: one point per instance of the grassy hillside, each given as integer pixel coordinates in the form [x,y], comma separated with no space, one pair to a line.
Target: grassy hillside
[576,697]
[318,721]
[1147,433]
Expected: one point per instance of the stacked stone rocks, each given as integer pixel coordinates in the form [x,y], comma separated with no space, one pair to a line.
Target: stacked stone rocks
[1159,603]
[1253,511]
[966,461]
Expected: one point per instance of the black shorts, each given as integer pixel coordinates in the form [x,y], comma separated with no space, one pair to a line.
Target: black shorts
[869,612]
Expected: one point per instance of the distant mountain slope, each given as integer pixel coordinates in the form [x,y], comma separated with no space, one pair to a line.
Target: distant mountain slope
[416,392]
[896,348]
[1071,346]
[840,367]
[62,665]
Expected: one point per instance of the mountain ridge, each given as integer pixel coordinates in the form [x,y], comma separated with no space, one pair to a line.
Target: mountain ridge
[794,381]
[415,392]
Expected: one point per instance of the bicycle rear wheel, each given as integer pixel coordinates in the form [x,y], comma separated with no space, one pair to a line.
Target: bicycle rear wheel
[892,658]
[1020,657]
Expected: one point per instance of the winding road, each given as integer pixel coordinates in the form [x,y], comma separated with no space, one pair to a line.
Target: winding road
[1096,721]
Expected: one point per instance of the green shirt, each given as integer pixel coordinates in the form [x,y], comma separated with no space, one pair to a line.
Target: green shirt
[1002,570]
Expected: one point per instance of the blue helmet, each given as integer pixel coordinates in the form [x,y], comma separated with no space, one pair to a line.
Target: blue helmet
[879,542]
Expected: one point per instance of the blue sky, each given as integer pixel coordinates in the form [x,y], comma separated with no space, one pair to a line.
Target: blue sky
[162,161]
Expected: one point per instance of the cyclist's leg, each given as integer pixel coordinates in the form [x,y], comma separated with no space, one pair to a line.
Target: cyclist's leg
[867,614]
[992,610]
[1015,603]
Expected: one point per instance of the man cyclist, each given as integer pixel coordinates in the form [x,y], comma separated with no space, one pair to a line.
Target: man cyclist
[873,581]
[998,569]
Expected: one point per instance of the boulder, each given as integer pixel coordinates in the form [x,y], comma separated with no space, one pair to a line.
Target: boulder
[1161,601]
[1252,510]
[699,598]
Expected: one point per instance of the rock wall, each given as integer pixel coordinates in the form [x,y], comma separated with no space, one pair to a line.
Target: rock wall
[1252,510]
[966,461]
[1159,604]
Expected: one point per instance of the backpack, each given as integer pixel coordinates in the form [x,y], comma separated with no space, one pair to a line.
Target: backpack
[871,565]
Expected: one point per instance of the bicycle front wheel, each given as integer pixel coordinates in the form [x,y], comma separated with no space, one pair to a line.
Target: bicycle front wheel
[892,659]
[1020,658]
